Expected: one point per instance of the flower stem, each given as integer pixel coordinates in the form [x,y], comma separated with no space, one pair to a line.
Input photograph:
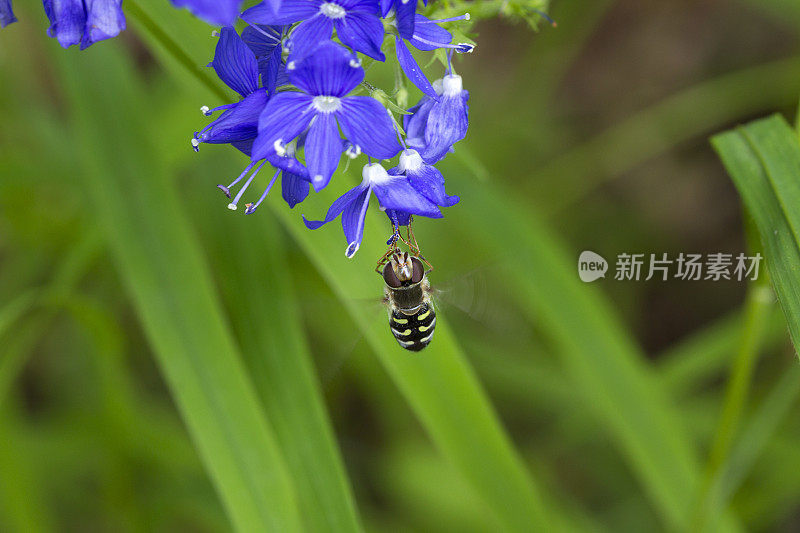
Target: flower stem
[757,309]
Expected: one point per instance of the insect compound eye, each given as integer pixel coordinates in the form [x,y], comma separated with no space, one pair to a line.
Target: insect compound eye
[419,270]
[390,277]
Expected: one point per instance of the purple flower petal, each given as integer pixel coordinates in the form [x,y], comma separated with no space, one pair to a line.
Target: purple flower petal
[67,21]
[412,69]
[238,123]
[363,32]
[104,20]
[372,7]
[246,147]
[265,42]
[447,124]
[366,122]
[6,13]
[307,36]
[386,6]
[284,118]
[235,63]
[404,15]
[416,123]
[323,150]
[426,179]
[398,218]
[289,164]
[428,35]
[290,11]
[331,70]
[293,188]
[398,193]
[353,222]
[338,206]
[216,12]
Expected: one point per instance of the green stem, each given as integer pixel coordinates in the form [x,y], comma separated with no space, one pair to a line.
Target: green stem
[757,309]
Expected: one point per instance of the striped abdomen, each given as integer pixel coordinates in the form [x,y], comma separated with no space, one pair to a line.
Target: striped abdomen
[413,332]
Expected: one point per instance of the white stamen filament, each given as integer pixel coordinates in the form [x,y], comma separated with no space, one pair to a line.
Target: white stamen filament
[205,109]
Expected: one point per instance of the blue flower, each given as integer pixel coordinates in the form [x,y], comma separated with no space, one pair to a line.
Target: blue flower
[84,21]
[6,14]
[426,179]
[436,125]
[357,24]
[237,66]
[218,12]
[324,78]
[423,34]
[393,192]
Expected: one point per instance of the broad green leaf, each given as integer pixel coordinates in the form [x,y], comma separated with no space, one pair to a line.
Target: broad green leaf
[763,159]
[165,274]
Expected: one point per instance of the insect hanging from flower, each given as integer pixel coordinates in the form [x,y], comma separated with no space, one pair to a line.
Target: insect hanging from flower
[407,291]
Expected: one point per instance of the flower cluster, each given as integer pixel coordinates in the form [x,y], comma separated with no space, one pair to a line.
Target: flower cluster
[300,109]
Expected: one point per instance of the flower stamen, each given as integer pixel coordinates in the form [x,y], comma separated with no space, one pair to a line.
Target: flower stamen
[251,208]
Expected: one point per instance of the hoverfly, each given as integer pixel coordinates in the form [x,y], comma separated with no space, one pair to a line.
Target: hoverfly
[407,292]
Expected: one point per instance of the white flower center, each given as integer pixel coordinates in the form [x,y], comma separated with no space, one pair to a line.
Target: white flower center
[332,11]
[327,104]
[452,85]
[375,174]
[410,160]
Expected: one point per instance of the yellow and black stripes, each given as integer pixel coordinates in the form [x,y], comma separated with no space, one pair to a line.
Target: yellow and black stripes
[413,332]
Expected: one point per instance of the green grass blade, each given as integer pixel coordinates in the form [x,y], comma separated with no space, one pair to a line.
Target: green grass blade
[606,366]
[757,308]
[696,360]
[162,266]
[263,306]
[763,159]
[756,434]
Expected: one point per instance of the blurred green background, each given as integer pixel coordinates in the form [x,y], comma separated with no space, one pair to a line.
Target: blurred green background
[169,365]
